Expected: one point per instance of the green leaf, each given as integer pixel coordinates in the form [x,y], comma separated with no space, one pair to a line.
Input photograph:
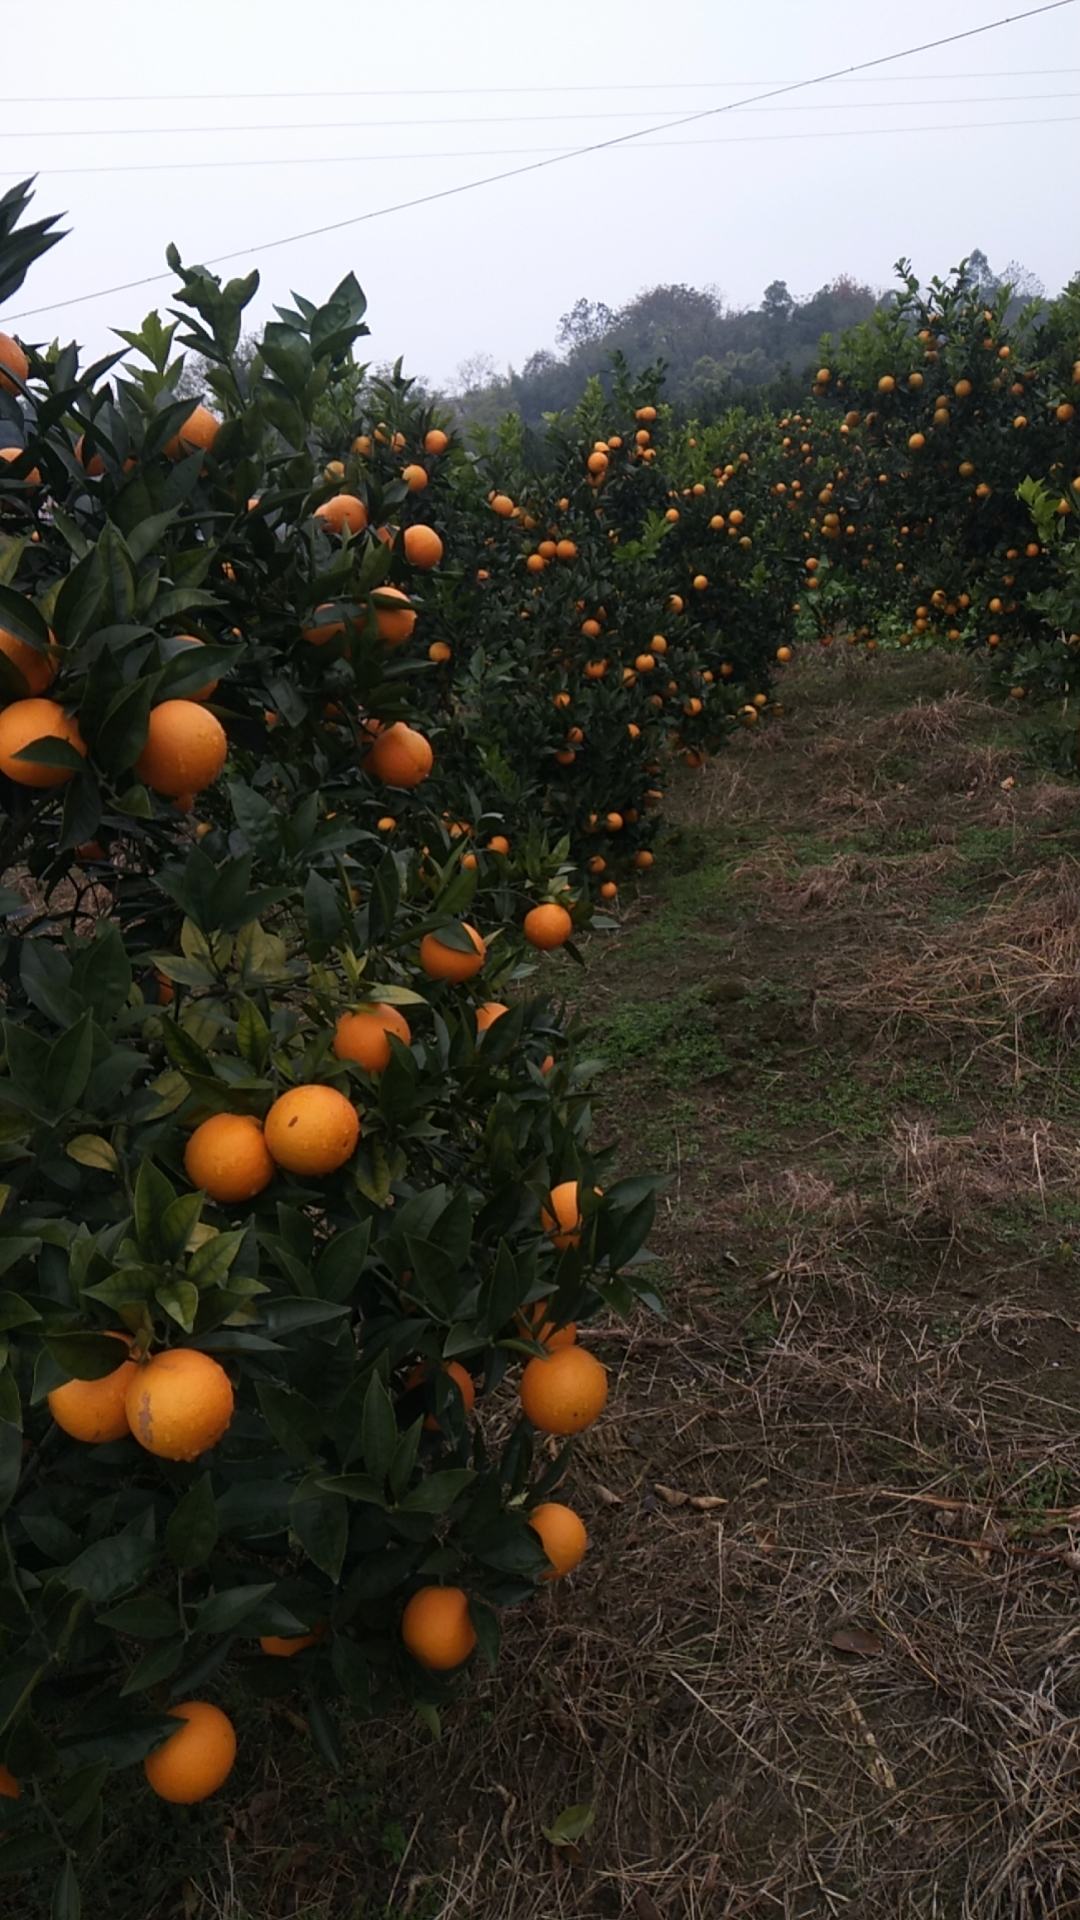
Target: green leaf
[320,1522]
[86,1356]
[15,1311]
[66,1901]
[91,1150]
[180,1300]
[11,1445]
[154,1666]
[223,1612]
[572,1824]
[192,1530]
[438,1492]
[67,1069]
[341,1262]
[106,1568]
[147,1616]
[295,1423]
[253,1035]
[378,1429]
[178,1222]
[211,1263]
[153,1196]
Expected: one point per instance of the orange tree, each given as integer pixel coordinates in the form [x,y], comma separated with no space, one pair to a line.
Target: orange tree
[950,401]
[298,1173]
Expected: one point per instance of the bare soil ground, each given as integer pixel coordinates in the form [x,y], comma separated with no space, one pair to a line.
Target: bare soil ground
[824,1655]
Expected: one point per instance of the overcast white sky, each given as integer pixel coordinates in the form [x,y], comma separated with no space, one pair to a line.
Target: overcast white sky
[491,271]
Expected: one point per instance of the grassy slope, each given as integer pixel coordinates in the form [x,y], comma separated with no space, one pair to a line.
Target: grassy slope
[841,1022]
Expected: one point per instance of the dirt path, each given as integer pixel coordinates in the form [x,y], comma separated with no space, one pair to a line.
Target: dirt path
[823,1657]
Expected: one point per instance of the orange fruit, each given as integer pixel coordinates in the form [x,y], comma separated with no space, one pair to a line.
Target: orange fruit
[184,751]
[415,478]
[287,1646]
[441,962]
[502,504]
[38,669]
[179,1403]
[535,1323]
[30,479]
[199,430]
[395,616]
[487,1015]
[9,1786]
[312,1130]
[12,361]
[564,1392]
[227,1157]
[643,859]
[25,721]
[320,631]
[400,756]
[364,1035]
[565,550]
[435,440]
[211,687]
[197,1759]
[93,1410]
[343,511]
[461,1378]
[94,465]
[436,1628]
[423,547]
[562,1536]
[548,926]
[440,652]
[561,1218]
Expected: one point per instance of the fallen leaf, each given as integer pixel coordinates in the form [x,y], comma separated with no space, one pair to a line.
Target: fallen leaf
[672,1496]
[645,1907]
[707,1502]
[573,1823]
[855,1640]
[606,1495]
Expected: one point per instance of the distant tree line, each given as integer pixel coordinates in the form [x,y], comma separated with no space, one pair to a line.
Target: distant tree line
[714,355]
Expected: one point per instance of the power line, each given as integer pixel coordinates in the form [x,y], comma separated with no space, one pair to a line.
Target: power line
[502,119]
[479,153]
[599,86]
[535,166]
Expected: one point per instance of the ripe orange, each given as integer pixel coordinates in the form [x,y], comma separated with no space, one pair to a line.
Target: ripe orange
[179,1403]
[435,440]
[38,669]
[436,1628]
[440,652]
[502,504]
[415,477]
[548,926]
[423,547]
[94,465]
[364,1035]
[564,1392]
[562,1536]
[9,1786]
[487,1015]
[343,511]
[441,962]
[26,721]
[561,1218]
[287,1646]
[12,361]
[535,1323]
[199,430]
[32,478]
[197,1759]
[93,1410]
[400,756]
[461,1378]
[498,844]
[227,1157]
[320,631]
[565,550]
[185,749]
[312,1130]
[395,616]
